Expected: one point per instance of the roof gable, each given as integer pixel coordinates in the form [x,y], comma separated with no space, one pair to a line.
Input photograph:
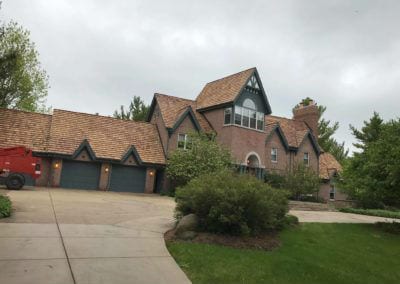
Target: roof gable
[328,165]
[188,112]
[85,146]
[173,108]
[226,90]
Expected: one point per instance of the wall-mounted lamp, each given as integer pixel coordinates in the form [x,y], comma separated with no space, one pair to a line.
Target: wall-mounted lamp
[56,165]
[151,173]
[106,169]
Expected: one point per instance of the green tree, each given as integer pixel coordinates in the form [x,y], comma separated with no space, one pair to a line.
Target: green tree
[301,180]
[204,156]
[372,176]
[326,131]
[137,110]
[23,82]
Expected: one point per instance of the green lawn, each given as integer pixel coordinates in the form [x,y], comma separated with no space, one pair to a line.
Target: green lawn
[310,253]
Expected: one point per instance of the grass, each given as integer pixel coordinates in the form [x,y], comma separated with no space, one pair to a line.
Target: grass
[5,206]
[372,212]
[310,253]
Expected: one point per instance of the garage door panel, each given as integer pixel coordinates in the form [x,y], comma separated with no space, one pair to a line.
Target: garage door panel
[127,179]
[82,175]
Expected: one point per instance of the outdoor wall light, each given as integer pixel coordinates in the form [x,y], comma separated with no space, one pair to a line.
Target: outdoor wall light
[151,173]
[106,169]
[56,165]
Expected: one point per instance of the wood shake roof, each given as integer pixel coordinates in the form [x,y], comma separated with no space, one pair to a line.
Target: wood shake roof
[21,128]
[172,108]
[294,130]
[328,166]
[223,90]
[64,131]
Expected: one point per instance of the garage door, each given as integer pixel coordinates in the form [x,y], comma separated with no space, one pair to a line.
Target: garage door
[80,175]
[127,179]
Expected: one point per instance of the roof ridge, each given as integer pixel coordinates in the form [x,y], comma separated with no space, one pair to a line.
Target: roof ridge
[158,94]
[104,116]
[231,75]
[24,111]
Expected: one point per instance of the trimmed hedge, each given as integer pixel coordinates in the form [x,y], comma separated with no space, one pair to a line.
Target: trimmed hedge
[5,206]
[233,204]
[372,212]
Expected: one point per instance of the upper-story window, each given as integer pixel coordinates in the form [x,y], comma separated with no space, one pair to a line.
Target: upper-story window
[184,141]
[332,193]
[306,159]
[228,116]
[274,155]
[248,116]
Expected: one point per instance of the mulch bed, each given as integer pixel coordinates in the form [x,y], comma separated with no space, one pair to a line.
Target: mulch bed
[263,242]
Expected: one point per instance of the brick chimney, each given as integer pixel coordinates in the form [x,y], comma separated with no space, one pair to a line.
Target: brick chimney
[307,111]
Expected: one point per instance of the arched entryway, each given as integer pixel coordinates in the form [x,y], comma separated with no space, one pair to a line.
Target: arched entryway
[253,165]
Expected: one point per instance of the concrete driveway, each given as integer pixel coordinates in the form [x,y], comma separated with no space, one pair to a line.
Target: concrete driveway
[77,236]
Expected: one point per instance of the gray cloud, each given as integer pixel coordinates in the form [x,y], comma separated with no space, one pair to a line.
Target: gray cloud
[345,54]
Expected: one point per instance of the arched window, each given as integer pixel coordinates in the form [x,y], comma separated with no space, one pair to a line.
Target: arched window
[249,103]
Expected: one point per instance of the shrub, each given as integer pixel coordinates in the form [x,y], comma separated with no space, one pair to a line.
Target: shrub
[301,180]
[372,212]
[393,228]
[204,156]
[274,179]
[234,204]
[5,206]
[290,221]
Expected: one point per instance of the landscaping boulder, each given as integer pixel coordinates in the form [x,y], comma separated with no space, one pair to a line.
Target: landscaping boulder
[189,222]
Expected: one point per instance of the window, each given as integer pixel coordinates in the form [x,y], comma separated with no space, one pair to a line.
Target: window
[248,116]
[253,119]
[238,115]
[228,116]
[260,121]
[274,155]
[245,117]
[184,142]
[249,103]
[306,159]
[332,192]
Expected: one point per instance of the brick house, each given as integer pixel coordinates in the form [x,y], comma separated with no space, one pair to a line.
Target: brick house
[96,152]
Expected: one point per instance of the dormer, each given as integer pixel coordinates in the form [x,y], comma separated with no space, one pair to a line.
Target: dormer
[242,97]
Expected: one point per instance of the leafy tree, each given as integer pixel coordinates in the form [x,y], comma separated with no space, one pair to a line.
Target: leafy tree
[204,156]
[23,82]
[301,180]
[137,110]
[326,130]
[372,176]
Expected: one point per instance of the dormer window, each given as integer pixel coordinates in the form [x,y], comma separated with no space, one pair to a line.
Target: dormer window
[184,142]
[306,159]
[248,116]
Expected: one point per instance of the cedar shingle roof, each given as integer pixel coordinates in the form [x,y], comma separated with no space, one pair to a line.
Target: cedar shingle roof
[64,131]
[328,165]
[223,90]
[21,128]
[109,138]
[294,130]
[173,107]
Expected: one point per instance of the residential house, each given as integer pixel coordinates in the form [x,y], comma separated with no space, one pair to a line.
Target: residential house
[96,152]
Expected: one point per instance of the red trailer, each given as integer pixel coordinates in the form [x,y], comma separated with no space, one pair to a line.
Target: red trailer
[15,163]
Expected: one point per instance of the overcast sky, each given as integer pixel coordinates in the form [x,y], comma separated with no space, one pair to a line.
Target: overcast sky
[98,54]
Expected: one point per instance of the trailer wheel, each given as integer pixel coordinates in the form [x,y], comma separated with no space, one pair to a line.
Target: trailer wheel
[15,181]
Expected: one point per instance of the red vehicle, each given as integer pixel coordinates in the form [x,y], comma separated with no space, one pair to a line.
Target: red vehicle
[15,164]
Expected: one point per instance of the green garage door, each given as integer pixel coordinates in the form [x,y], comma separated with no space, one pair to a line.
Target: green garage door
[83,175]
[127,179]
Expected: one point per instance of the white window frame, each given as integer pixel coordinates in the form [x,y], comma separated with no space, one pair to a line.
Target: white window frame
[276,155]
[232,115]
[185,141]
[308,159]
[242,109]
